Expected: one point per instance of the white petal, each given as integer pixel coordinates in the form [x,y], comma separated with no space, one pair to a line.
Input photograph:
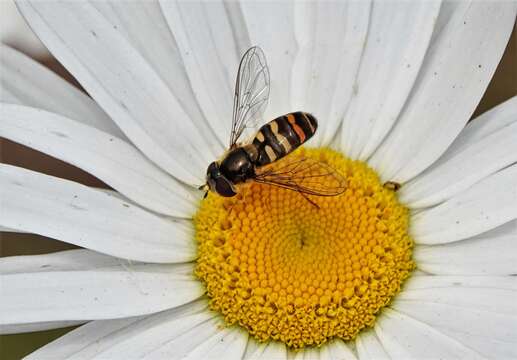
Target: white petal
[491,253]
[70,260]
[398,37]
[6,229]
[254,348]
[100,293]
[330,38]
[271,350]
[24,81]
[271,26]
[229,343]
[17,32]
[484,206]
[37,326]
[111,193]
[467,292]
[336,350]
[143,20]
[112,160]
[418,272]
[195,333]
[462,166]
[463,55]
[124,84]
[124,338]
[211,38]
[496,282]
[369,347]
[310,353]
[485,125]
[406,338]
[74,213]
[77,344]
[479,312]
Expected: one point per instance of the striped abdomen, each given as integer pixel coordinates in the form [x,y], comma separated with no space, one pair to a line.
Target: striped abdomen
[282,135]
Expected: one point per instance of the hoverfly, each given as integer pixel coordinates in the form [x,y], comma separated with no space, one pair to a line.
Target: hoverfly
[274,140]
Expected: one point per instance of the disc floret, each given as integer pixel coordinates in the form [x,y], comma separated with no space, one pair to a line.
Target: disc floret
[287,270]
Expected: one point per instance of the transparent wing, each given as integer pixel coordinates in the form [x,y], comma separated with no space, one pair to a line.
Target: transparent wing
[306,176]
[251,92]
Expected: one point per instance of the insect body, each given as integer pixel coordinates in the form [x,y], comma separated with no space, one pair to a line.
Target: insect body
[282,135]
[273,141]
[392,185]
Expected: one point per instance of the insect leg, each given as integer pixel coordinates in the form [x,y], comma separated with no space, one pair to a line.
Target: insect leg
[309,200]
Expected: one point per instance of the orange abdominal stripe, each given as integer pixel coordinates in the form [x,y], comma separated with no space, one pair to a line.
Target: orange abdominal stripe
[296,127]
[282,135]
[289,271]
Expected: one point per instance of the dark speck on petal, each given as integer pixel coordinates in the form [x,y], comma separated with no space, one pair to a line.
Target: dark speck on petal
[60,134]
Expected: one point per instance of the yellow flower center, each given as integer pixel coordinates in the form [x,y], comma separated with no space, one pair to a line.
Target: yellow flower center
[287,270]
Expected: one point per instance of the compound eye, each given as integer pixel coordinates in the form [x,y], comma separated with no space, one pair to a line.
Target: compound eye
[224,187]
[211,183]
[213,169]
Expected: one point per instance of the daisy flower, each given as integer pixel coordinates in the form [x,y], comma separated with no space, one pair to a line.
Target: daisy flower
[422,272]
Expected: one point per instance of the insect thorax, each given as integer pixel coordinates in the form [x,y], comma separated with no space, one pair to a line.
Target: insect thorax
[237,166]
